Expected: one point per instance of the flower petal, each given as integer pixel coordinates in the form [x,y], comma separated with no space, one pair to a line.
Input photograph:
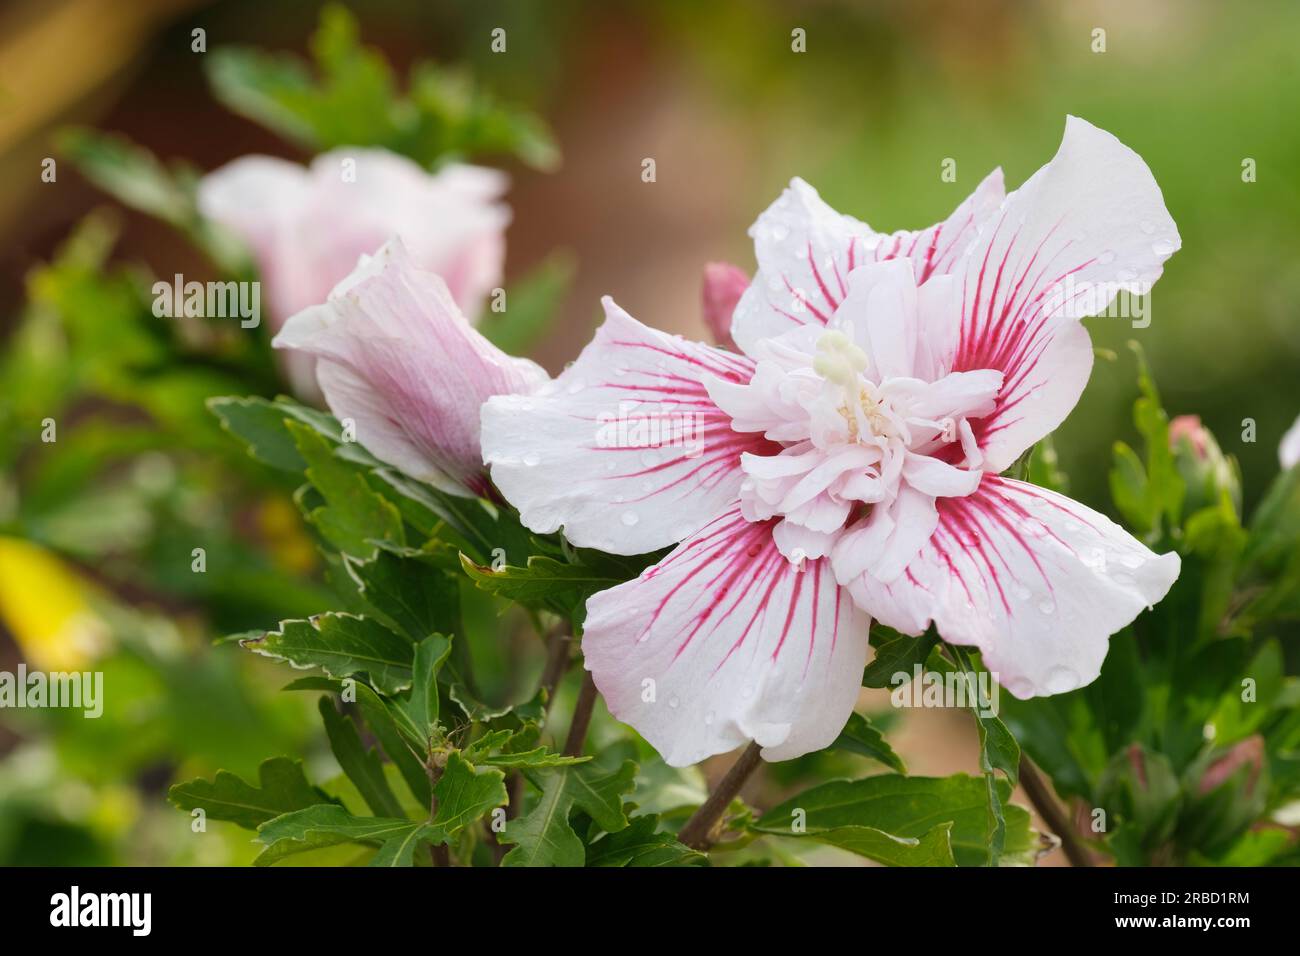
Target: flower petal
[396,356]
[625,449]
[1088,224]
[806,250]
[1288,450]
[1034,580]
[724,642]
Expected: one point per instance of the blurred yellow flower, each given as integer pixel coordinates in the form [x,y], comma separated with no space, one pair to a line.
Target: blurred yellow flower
[46,606]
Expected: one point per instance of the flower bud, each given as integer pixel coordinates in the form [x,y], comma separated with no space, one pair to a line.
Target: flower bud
[724,284]
[1226,791]
[1205,470]
[1140,788]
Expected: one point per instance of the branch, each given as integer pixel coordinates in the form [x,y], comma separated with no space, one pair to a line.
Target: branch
[702,829]
[1044,801]
[581,717]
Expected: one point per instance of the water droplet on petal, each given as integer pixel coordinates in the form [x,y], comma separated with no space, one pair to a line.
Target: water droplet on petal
[1047,607]
[630,518]
[1163,247]
[1061,679]
[673,701]
[532,459]
[1147,226]
[1132,561]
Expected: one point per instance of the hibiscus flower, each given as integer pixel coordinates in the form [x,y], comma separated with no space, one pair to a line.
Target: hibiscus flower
[307,226]
[847,465]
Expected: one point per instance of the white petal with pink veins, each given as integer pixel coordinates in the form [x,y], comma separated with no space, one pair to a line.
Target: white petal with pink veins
[806,250]
[625,450]
[724,642]
[1034,580]
[1088,224]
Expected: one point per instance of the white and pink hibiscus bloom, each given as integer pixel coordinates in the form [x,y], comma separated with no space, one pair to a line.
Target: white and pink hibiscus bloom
[307,226]
[396,358]
[847,465]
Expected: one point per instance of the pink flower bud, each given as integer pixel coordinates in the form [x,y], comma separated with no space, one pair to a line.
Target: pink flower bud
[724,284]
[1248,752]
[1189,427]
[395,356]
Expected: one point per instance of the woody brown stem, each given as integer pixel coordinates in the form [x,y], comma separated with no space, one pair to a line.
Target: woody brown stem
[573,744]
[1052,814]
[701,830]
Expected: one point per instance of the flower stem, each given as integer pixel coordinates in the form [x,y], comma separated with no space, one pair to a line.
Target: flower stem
[1052,814]
[581,717]
[701,830]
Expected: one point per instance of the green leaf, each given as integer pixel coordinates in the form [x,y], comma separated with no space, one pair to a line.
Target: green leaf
[342,645]
[351,99]
[465,793]
[934,848]
[544,583]
[328,825]
[420,707]
[642,844]
[543,836]
[353,516]
[1044,467]
[407,588]
[363,767]
[282,787]
[1148,492]
[998,751]
[908,807]
[529,307]
[136,178]
[860,737]
[379,717]
[260,426]
[532,759]
[897,655]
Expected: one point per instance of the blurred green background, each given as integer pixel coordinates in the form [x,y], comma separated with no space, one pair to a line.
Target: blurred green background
[713,92]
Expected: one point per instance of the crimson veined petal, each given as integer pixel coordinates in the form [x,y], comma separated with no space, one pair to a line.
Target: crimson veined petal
[806,250]
[1036,581]
[1088,224]
[724,642]
[625,450]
